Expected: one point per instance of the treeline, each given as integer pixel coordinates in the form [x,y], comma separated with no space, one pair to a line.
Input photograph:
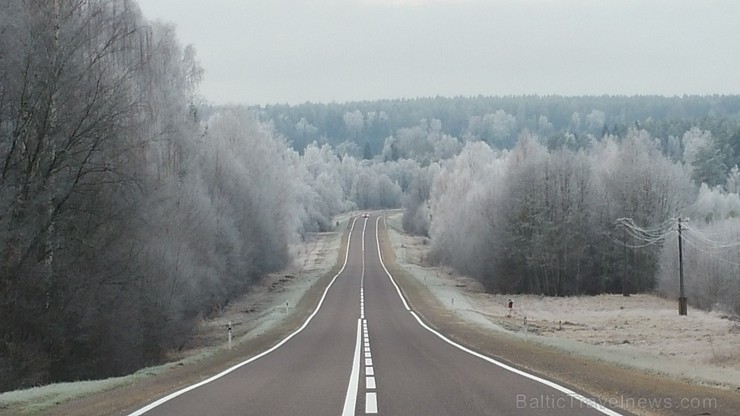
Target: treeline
[357,127]
[539,221]
[118,229]
[562,222]
[129,209]
[555,195]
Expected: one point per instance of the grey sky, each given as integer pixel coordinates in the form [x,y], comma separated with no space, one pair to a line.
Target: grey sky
[293,51]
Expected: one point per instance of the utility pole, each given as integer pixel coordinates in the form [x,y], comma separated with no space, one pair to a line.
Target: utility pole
[682,305]
[626,268]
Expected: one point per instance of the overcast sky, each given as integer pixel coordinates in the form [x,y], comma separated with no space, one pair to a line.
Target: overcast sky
[293,51]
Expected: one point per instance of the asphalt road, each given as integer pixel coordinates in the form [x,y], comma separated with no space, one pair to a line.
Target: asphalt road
[365,352]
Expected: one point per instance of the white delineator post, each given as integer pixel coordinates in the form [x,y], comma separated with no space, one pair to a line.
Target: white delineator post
[229,334]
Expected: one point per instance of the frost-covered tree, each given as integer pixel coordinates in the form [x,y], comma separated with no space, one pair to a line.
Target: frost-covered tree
[305,131]
[321,195]
[714,204]
[96,112]
[126,213]
[348,148]
[416,199]
[703,155]
[413,143]
[733,180]
[354,122]
[693,141]
[637,181]
[575,121]
[498,128]
[595,121]
[463,202]
[424,143]
[544,126]
[521,209]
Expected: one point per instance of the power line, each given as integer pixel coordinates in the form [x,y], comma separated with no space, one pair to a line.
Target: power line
[648,236]
[694,238]
[716,244]
[647,244]
[696,247]
[655,229]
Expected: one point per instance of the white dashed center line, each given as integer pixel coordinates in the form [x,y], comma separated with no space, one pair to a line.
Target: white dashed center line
[371,397]
[370,382]
[371,403]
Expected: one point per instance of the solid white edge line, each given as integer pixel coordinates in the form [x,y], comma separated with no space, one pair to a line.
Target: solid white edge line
[364,227]
[588,402]
[350,400]
[380,256]
[258,356]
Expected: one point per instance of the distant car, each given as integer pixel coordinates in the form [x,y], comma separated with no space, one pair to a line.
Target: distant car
[365,215]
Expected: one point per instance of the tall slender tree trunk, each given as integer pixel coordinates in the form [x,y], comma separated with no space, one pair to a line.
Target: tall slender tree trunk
[49,244]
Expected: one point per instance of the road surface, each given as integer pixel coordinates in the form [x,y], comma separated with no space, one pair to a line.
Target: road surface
[363,351]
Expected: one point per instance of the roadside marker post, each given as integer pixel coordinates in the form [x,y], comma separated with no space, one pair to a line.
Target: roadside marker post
[229,334]
[526,328]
